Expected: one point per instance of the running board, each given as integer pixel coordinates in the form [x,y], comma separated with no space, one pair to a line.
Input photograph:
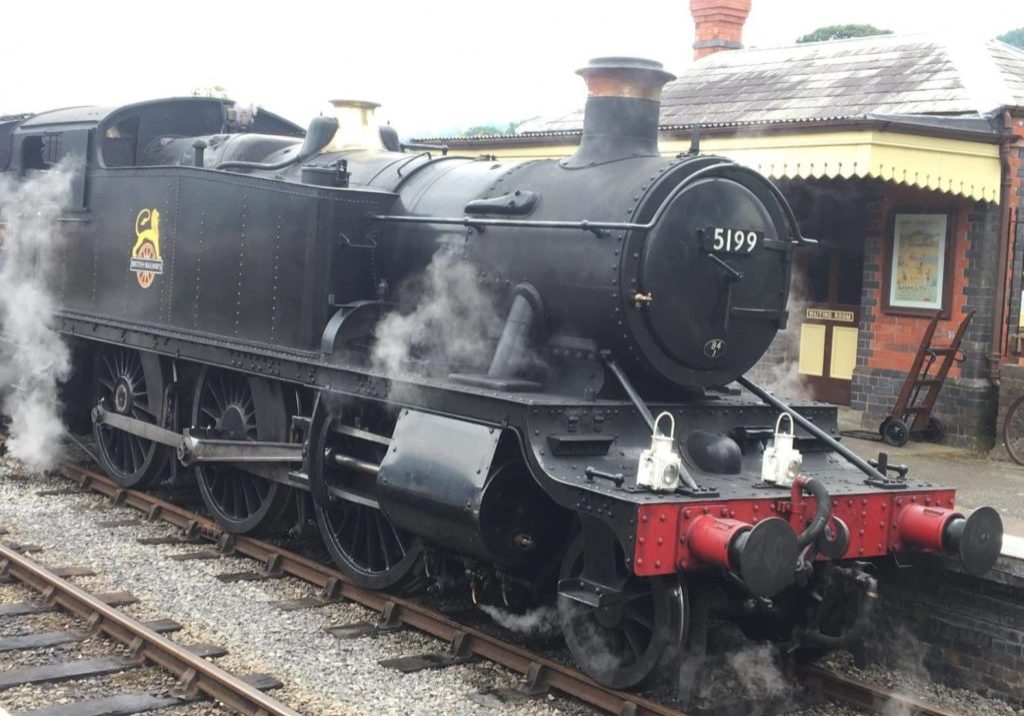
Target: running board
[192,449]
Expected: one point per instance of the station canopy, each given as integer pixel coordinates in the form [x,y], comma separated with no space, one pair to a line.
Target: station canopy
[920,110]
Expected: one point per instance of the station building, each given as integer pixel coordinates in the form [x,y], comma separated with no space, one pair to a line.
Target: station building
[904,157]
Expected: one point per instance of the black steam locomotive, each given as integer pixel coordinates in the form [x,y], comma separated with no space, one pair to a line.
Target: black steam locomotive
[517,379]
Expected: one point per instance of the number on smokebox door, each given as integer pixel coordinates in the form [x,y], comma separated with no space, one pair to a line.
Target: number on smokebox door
[730,241]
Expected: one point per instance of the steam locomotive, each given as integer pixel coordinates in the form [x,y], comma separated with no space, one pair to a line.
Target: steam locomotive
[522,380]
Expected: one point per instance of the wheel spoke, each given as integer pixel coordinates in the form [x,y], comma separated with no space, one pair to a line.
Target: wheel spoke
[640,617]
[252,497]
[382,544]
[634,640]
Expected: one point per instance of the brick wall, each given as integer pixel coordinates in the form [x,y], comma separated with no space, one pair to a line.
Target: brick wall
[967,632]
[888,343]
[1017,267]
[718,25]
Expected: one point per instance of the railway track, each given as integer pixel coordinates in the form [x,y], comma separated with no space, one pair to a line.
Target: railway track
[540,674]
[146,642]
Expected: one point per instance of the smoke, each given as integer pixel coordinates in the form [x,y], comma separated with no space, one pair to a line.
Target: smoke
[758,674]
[33,357]
[905,655]
[783,378]
[542,621]
[592,643]
[749,675]
[448,319]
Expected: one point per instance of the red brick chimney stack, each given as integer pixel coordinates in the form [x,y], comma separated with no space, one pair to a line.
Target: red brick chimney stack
[719,25]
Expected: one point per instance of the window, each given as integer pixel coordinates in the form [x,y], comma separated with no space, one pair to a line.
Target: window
[120,143]
[41,151]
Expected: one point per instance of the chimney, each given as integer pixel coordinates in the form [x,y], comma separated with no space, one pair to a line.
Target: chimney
[622,111]
[718,25]
[357,127]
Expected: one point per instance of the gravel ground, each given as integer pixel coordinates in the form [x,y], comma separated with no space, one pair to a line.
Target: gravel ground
[322,674]
[904,673]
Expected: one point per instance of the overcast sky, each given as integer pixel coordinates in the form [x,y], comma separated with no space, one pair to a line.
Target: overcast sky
[435,66]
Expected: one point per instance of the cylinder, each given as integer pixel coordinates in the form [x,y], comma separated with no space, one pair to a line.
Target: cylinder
[924,527]
[977,540]
[711,537]
[765,557]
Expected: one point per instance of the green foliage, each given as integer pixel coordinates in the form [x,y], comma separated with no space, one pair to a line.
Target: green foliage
[488,129]
[1013,37]
[842,32]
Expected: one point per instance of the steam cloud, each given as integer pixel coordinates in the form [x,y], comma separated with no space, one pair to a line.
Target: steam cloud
[33,357]
[758,673]
[542,621]
[785,380]
[751,674]
[448,317]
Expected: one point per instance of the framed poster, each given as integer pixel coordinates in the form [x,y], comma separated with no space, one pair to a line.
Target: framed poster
[920,258]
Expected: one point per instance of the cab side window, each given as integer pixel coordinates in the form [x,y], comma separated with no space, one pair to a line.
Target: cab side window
[120,143]
[41,151]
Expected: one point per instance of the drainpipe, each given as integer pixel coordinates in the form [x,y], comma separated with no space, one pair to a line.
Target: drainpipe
[999,309]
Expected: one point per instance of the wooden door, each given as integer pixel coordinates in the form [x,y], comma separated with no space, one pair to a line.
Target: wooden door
[828,350]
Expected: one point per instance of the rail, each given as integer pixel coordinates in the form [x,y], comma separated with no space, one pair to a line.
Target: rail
[540,673]
[194,671]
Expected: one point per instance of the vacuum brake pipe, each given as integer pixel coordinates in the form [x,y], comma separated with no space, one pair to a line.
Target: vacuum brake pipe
[821,515]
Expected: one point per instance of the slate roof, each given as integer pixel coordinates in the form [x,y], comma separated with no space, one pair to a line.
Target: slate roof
[841,79]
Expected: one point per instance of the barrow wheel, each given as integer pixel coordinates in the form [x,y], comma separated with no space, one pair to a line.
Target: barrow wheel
[363,542]
[935,431]
[885,423]
[234,406]
[629,643]
[1013,431]
[131,383]
[896,433]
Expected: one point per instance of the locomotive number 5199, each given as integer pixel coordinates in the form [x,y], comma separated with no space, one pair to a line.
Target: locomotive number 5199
[730,241]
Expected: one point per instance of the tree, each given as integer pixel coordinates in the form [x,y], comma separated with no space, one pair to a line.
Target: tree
[1013,37]
[489,129]
[842,32]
